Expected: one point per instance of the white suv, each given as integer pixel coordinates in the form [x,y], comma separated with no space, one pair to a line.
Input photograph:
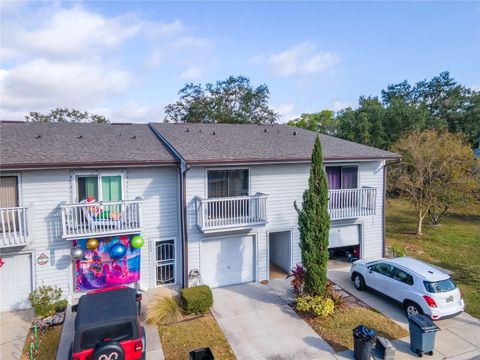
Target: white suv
[419,287]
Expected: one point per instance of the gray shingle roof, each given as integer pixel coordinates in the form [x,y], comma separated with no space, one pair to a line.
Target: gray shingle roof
[230,143]
[31,145]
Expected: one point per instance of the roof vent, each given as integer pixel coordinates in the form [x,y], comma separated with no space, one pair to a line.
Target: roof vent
[38,137]
[294,133]
[80,137]
[188,130]
[214,133]
[200,131]
[265,130]
[133,137]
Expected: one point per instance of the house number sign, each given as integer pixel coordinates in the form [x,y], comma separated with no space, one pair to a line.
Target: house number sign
[42,259]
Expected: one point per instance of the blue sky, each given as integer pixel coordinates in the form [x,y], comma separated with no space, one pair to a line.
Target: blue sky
[127,60]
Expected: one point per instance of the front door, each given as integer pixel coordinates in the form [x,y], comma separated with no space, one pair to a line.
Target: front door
[165,262]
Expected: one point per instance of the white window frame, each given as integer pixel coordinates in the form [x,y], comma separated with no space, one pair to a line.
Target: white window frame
[342,165]
[98,175]
[172,261]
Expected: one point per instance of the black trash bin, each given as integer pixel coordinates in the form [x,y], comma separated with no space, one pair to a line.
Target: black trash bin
[363,341]
[201,354]
[422,334]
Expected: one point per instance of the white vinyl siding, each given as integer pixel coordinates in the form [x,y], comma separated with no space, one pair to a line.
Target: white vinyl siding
[44,191]
[285,184]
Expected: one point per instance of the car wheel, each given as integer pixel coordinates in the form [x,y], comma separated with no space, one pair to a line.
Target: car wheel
[358,282]
[412,309]
[110,349]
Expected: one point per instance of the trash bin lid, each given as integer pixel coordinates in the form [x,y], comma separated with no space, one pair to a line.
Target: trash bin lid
[423,322]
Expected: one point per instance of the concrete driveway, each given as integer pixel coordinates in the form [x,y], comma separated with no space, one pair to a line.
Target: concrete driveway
[259,324]
[459,337]
[14,327]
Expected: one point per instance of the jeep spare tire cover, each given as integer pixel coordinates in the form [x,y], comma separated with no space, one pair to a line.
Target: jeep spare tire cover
[108,350]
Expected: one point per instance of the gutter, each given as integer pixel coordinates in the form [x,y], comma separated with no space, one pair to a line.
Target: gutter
[182,170]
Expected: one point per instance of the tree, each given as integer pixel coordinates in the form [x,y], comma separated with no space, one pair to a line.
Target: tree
[322,122]
[314,225]
[66,115]
[232,100]
[433,164]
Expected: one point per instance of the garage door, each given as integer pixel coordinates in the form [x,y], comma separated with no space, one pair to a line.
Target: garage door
[344,236]
[227,261]
[15,282]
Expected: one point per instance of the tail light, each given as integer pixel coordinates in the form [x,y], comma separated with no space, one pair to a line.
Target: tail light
[137,346]
[430,302]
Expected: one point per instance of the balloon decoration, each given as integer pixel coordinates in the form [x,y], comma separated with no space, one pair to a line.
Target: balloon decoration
[137,242]
[117,251]
[77,253]
[92,244]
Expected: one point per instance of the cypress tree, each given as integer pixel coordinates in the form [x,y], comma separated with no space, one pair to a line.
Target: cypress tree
[314,225]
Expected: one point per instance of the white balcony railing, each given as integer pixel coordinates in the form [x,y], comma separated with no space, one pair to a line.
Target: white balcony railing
[351,203]
[14,231]
[81,220]
[231,213]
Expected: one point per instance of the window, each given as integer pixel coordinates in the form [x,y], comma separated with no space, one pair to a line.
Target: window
[342,177]
[440,286]
[118,332]
[382,268]
[165,261]
[8,191]
[403,277]
[101,188]
[227,183]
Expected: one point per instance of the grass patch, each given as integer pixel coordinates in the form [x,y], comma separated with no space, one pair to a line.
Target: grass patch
[48,344]
[337,328]
[452,245]
[180,338]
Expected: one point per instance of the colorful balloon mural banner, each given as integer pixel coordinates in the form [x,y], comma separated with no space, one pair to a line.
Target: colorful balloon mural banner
[98,270]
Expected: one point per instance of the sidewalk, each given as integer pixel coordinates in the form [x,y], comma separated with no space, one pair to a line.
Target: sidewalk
[13,332]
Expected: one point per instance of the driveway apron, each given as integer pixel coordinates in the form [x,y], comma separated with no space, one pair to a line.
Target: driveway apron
[258,324]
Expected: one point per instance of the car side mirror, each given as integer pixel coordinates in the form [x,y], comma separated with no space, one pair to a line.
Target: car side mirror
[370,271]
[74,308]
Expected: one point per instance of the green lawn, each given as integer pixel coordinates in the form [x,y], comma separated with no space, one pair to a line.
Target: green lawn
[453,245]
[336,329]
[48,344]
[180,338]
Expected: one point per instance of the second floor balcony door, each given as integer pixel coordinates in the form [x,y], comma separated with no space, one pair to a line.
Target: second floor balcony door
[9,202]
[229,183]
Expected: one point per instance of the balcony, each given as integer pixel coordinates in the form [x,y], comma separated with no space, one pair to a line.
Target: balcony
[351,203]
[14,231]
[82,220]
[232,213]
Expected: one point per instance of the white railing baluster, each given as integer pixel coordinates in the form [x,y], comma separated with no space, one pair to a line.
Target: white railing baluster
[13,229]
[351,203]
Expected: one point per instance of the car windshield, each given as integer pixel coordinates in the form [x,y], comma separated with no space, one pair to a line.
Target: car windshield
[440,286]
[119,332]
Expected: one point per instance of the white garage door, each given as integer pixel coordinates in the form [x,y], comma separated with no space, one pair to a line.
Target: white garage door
[15,282]
[348,235]
[227,261]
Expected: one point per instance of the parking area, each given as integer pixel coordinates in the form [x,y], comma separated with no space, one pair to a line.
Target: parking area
[13,332]
[459,337]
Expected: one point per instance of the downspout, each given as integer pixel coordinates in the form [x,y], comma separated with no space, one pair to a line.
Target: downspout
[182,170]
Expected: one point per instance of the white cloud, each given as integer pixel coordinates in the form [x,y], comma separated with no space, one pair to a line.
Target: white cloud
[286,111]
[132,112]
[301,59]
[191,73]
[338,105]
[42,83]
[55,55]
[70,33]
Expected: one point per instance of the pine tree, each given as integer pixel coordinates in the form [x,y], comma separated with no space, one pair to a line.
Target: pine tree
[314,225]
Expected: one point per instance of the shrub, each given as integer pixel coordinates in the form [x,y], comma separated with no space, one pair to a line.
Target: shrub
[318,305]
[331,293]
[398,250]
[164,310]
[46,301]
[298,275]
[198,299]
